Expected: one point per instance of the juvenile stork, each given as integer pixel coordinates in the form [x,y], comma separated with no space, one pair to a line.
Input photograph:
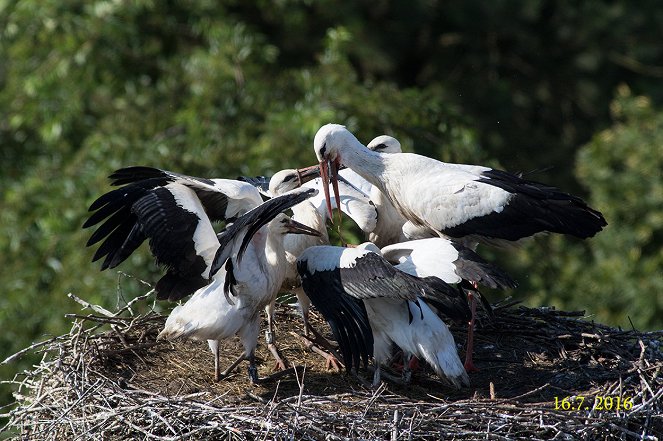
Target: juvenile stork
[246,284]
[175,212]
[312,212]
[367,301]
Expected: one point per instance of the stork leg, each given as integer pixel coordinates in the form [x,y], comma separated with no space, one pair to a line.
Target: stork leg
[376,377]
[253,369]
[469,364]
[280,363]
[410,363]
[406,363]
[214,346]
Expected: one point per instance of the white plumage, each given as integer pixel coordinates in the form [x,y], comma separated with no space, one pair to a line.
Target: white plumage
[335,278]
[245,262]
[308,214]
[417,330]
[460,201]
[208,316]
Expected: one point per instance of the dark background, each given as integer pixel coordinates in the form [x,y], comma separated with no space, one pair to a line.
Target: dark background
[568,92]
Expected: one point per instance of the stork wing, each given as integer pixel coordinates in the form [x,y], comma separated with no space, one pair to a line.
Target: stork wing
[345,314]
[333,276]
[237,236]
[372,276]
[447,260]
[175,213]
[180,234]
[218,199]
[259,182]
[222,198]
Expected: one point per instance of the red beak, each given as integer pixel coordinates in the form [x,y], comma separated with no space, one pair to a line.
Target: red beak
[329,173]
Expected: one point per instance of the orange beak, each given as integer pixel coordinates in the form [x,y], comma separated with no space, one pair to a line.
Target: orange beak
[329,174]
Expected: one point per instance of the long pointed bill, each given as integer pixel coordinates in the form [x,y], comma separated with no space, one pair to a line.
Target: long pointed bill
[334,179]
[329,173]
[324,172]
[295,227]
[308,173]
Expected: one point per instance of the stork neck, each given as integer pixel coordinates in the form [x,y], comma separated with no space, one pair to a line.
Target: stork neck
[366,163]
[306,213]
[274,250]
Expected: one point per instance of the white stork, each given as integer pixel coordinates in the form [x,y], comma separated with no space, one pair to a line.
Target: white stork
[312,212]
[460,201]
[469,203]
[389,226]
[255,279]
[368,301]
[175,212]
[308,213]
[455,264]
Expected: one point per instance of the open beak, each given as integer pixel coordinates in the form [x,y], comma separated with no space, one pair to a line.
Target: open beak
[295,227]
[329,172]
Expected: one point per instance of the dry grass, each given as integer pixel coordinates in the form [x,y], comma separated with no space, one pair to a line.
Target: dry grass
[108,379]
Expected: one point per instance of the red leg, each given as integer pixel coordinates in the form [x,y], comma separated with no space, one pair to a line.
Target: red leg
[414,363]
[469,364]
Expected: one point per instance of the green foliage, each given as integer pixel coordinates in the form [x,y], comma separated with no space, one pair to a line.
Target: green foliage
[617,275]
[223,88]
[623,166]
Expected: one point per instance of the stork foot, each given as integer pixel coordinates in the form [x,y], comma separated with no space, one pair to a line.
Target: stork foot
[332,362]
[280,364]
[331,358]
[469,366]
[381,373]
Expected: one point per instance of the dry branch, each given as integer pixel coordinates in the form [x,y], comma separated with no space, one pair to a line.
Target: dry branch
[108,379]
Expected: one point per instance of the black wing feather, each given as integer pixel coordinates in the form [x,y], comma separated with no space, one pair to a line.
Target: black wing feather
[345,314]
[214,201]
[259,182]
[249,223]
[373,276]
[533,208]
[471,266]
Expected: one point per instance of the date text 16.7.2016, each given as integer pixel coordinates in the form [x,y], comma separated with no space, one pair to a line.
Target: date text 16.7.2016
[598,402]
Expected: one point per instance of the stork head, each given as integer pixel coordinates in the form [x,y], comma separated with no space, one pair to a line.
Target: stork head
[329,144]
[385,144]
[289,179]
[283,224]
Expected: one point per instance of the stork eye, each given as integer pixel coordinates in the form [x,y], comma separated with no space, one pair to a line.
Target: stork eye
[380,147]
[288,178]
